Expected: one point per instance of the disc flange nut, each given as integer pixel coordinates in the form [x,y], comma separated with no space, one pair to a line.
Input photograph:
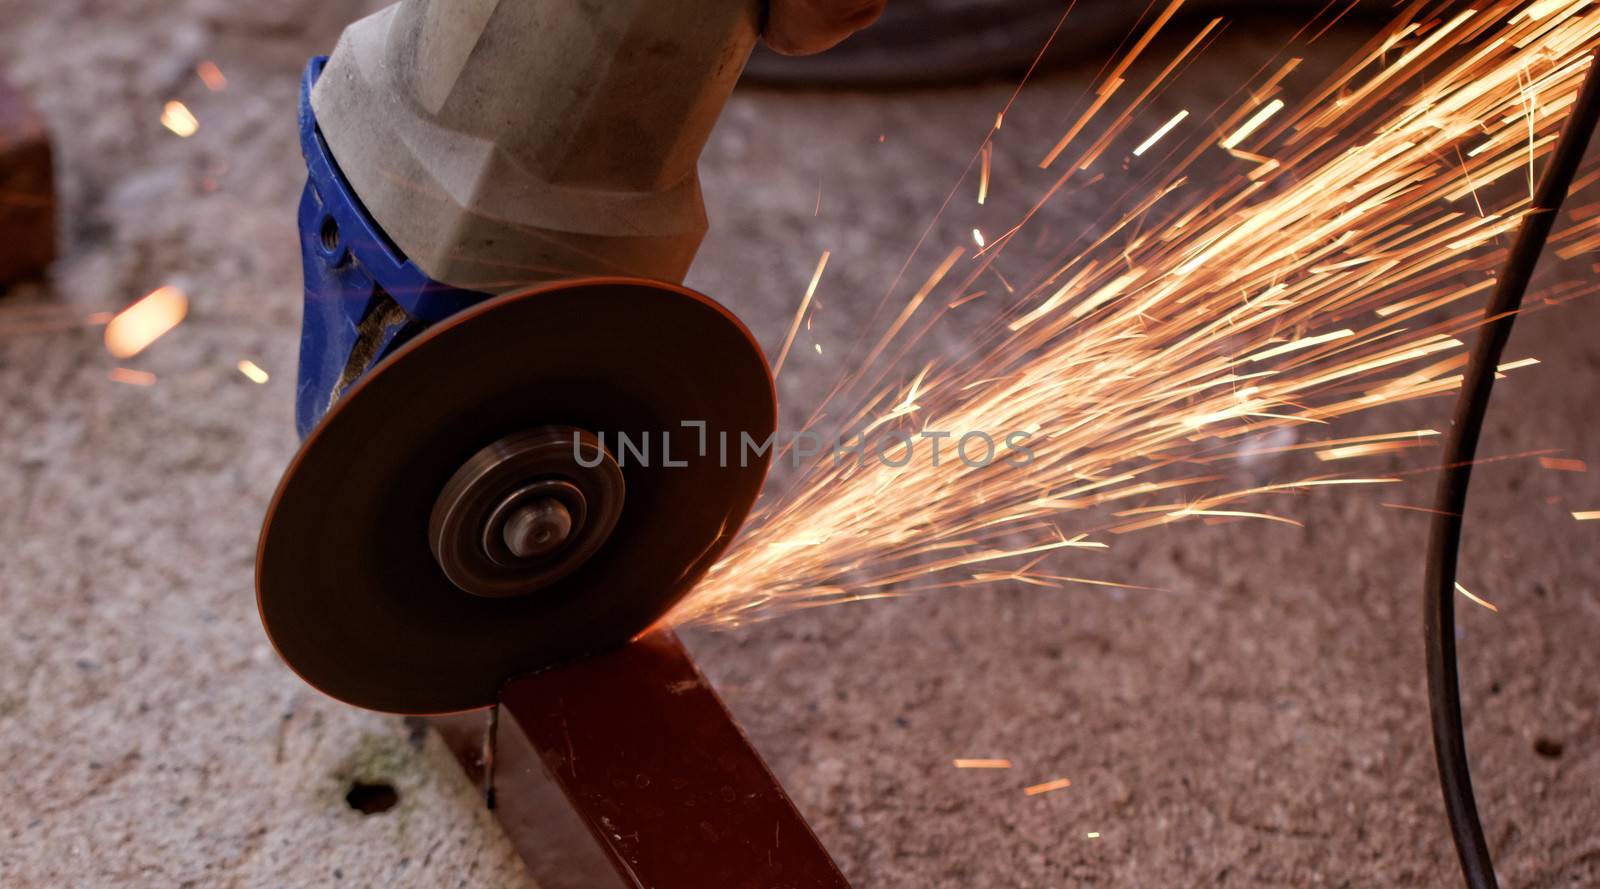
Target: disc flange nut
[526,511]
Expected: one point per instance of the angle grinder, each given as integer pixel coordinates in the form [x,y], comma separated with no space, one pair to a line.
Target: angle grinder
[505,396]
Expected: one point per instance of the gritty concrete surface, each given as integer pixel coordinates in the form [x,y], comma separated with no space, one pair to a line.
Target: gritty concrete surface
[1259,722]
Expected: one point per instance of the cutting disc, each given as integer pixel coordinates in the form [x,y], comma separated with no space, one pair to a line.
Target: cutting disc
[463,428]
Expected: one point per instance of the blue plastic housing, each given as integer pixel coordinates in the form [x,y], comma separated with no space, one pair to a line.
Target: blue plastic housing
[364,298]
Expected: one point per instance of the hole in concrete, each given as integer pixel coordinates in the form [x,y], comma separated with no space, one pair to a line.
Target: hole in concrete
[370,799]
[1548,748]
[329,234]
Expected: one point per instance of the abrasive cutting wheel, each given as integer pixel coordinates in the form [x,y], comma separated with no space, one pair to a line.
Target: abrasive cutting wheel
[464,513]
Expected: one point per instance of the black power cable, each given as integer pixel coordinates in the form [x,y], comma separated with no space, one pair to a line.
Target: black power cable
[1450,501]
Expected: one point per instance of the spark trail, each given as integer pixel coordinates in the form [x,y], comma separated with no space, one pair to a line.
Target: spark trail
[1333,269]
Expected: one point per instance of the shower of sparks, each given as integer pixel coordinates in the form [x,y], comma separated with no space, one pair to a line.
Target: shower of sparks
[1478,599]
[1156,136]
[211,76]
[133,329]
[981,763]
[1337,266]
[177,117]
[1046,787]
[253,371]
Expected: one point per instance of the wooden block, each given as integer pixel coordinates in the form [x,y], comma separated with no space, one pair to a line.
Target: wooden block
[27,192]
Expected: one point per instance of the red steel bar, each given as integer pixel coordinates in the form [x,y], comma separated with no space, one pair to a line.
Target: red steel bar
[625,771]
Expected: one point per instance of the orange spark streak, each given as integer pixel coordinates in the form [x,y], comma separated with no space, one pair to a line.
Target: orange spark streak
[1254,123]
[1156,136]
[983,171]
[131,377]
[981,763]
[1046,787]
[1561,464]
[805,303]
[177,117]
[211,75]
[133,329]
[1418,509]
[253,371]
[1481,601]
[1366,450]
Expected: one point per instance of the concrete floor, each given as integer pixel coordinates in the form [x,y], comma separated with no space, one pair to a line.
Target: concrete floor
[1261,723]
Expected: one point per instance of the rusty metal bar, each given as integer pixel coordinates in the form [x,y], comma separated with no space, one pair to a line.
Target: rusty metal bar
[626,771]
[27,189]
